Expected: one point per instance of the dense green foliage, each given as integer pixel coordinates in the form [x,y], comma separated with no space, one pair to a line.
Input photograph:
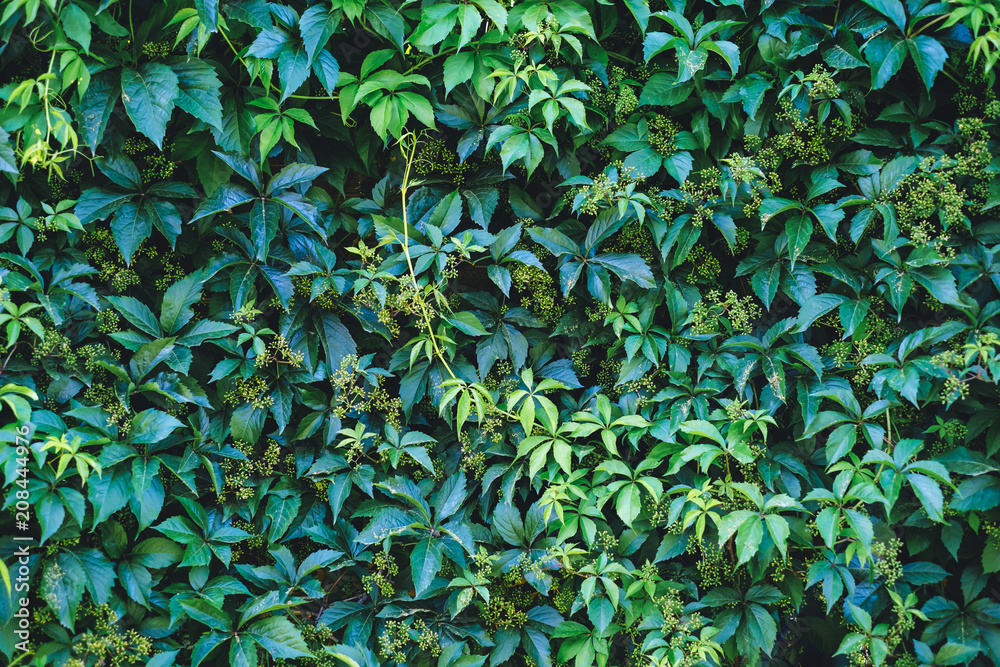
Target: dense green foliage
[532,333]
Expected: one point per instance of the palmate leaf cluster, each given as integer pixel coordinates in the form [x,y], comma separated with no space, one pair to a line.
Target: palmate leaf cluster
[544,332]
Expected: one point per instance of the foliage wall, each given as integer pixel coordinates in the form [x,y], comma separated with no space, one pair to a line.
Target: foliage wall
[536,333]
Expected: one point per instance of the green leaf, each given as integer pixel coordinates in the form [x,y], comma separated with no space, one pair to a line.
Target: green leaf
[640,10]
[852,314]
[885,56]
[264,218]
[643,163]
[629,503]
[248,422]
[293,68]
[208,614]
[94,110]
[317,25]
[279,637]
[281,512]
[242,651]
[208,13]
[815,308]
[177,301]
[152,426]
[62,587]
[198,89]
[799,229]
[76,23]
[130,227]
[929,494]
[628,267]
[661,90]
[149,93]
[136,313]
[929,57]
[425,562]
[336,339]
[892,9]
[458,69]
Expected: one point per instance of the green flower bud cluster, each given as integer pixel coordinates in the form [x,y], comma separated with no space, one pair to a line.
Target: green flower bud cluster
[823,85]
[713,566]
[54,346]
[563,595]
[253,391]
[394,638]
[974,93]
[154,50]
[732,311]
[886,562]
[102,251]
[698,190]
[435,158]
[67,187]
[158,168]
[108,321]
[500,613]
[105,396]
[704,265]
[663,133]
[625,103]
[108,644]
[808,141]
[252,550]
[636,238]
[538,292]
[384,568]
[278,351]
[473,463]
[137,144]
[427,640]
[241,476]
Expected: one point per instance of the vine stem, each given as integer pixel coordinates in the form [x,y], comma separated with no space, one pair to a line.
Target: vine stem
[409,153]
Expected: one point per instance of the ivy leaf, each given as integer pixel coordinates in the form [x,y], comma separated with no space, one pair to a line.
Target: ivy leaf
[8,160]
[293,67]
[130,227]
[327,70]
[208,13]
[95,107]
[929,494]
[852,314]
[628,267]
[198,88]
[387,22]
[76,23]
[281,512]
[640,11]
[317,25]
[885,56]
[149,93]
[643,163]
[892,9]
[799,229]
[279,637]
[929,57]
[425,561]
[264,218]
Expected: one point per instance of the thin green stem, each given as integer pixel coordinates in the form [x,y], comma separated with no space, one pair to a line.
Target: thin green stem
[410,158]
